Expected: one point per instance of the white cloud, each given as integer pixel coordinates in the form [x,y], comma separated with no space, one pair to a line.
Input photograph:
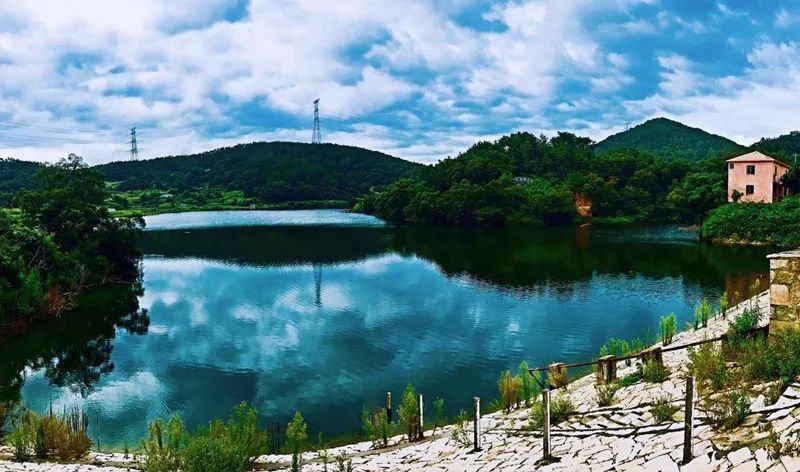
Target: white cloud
[785,19]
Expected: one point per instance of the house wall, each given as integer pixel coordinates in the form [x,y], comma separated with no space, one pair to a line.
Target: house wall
[766,174]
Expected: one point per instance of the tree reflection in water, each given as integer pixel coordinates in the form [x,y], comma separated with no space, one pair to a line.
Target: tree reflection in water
[75,350]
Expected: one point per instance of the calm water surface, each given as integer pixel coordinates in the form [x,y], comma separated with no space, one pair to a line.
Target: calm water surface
[326,315]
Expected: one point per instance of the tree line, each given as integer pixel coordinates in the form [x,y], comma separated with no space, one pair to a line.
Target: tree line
[60,239]
[526,178]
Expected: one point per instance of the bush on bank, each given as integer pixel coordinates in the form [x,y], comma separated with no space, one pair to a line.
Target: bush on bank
[769,223]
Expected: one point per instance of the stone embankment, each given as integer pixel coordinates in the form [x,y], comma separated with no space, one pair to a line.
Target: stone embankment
[621,437]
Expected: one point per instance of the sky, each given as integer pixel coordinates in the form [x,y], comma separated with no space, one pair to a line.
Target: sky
[418,79]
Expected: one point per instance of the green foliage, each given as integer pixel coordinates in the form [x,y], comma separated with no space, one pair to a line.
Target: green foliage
[653,371]
[530,388]
[409,413]
[702,313]
[729,409]
[439,417]
[707,364]
[64,438]
[163,446]
[774,358]
[630,379]
[774,223]
[668,327]
[743,324]
[724,305]
[561,407]
[376,426]
[296,435]
[6,409]
[510,390]
[460,433]
[670,140]
[62,240]
[663,408]
[606,393]
[215,454]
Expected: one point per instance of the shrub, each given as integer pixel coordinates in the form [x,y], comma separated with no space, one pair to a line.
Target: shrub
[728,410]
[561,407]
[606,393]
[776,223]
[724,305]
[460,433]
[702,313]
[774,358]
[630,379]
[440,419]
[215,454]
[64,438]
[409,412]
[663,409]
[162,448]
[707,363]
[296,437]
[743,324]
[668,327]
[376,426]
[5,413]
[653,371]
[343,464]
[530,383]
[510,390]
[242,429]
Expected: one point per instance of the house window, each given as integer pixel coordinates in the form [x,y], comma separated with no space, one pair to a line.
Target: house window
[730,166]
[751,170]
[749,189]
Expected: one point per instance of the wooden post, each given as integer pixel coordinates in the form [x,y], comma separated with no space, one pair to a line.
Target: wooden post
[606,369]
[476,409]
[546,432]
[421,417]
[389,406]
[688,425]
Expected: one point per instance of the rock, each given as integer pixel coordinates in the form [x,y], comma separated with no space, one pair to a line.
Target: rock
[740,455]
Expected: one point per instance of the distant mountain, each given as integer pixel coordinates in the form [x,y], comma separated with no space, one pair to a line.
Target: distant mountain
[267,172]
[15,175]
[671,140]
[783,147]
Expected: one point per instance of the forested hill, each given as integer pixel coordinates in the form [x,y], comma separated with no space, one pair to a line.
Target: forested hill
[670,140]
[269,172]
[14,176]
[783,147]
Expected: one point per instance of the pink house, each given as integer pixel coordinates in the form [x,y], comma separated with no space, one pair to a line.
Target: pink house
[757,177]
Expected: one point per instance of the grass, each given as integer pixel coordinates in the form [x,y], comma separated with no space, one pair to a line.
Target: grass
[707,364]
[606,393]
[663,409]
[653,371]
[561,407]
[668,327]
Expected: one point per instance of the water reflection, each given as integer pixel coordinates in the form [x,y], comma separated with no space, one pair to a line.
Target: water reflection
[74,351]
[326,319]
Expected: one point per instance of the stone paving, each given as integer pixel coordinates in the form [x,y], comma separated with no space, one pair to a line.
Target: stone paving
[621,437]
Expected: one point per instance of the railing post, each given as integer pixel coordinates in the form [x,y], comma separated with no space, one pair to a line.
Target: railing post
[688,425]
[476,409]
[389,406]
[607,369]
[421,417]
[546,432]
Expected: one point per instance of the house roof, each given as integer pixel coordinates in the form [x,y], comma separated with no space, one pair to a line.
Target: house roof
[756,156]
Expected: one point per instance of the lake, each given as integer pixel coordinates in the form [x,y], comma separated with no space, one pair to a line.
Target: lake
[324,311]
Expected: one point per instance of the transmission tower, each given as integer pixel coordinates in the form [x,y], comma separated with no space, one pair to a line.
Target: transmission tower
[316,135]
[134,147]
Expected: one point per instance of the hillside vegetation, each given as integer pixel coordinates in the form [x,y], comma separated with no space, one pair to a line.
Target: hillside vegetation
[771,223]
[522,177]
[257,173]
[670,140]
[14,176]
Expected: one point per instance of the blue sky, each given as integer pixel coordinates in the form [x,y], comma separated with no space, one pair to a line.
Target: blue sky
[419,79]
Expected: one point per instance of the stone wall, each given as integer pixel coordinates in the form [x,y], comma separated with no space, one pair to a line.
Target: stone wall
[784,290]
